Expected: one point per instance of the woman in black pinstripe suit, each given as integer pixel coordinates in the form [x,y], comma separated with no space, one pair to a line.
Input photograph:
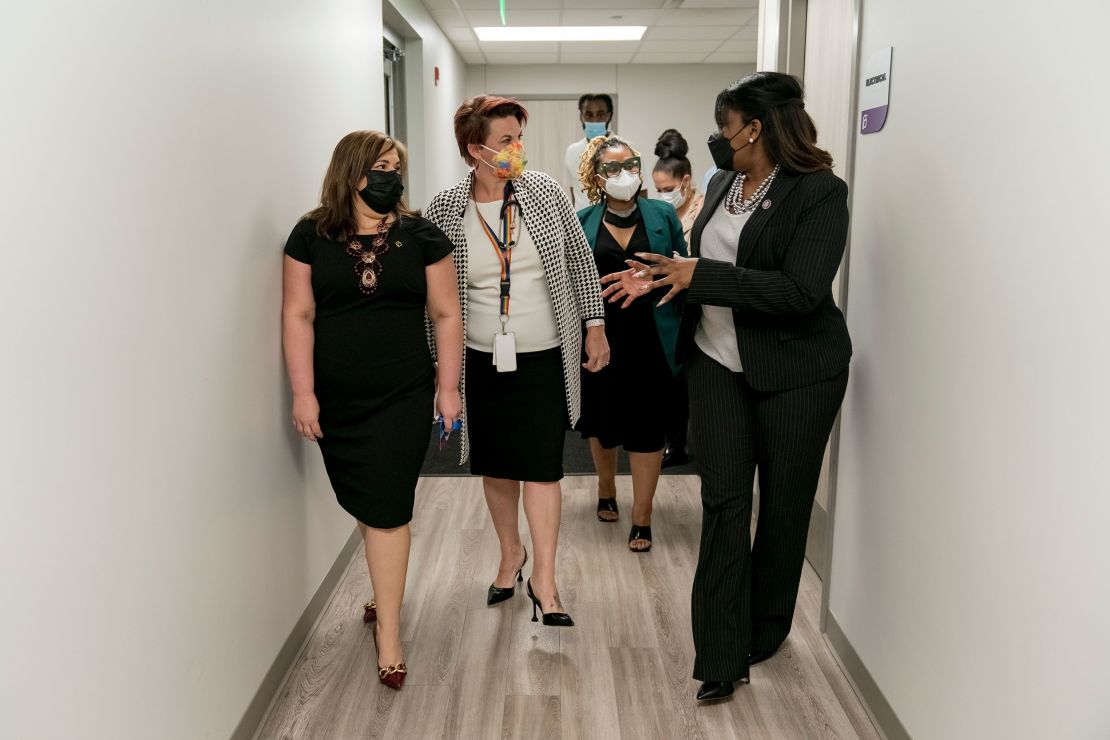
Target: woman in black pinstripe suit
[766,352]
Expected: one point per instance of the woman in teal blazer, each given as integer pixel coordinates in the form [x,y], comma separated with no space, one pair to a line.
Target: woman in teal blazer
[625,404]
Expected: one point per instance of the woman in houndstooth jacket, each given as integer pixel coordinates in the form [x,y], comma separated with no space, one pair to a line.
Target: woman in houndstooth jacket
[528,286]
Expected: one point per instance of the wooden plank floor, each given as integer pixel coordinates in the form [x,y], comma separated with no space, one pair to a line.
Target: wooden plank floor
[622,672]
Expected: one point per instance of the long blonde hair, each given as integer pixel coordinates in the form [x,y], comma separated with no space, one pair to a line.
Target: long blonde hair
[587,165]
[353,157]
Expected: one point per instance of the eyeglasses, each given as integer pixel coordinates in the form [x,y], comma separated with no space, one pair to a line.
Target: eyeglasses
[612,169]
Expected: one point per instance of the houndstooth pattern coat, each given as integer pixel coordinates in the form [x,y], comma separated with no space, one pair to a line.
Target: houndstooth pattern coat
[568,265]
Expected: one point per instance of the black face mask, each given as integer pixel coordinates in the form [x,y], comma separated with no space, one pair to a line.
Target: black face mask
[383,190]
[721,150]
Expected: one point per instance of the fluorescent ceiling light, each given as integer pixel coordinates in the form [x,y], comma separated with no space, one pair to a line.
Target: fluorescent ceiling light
[560,33]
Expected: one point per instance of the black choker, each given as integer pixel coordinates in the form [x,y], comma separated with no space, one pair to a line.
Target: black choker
[623,222]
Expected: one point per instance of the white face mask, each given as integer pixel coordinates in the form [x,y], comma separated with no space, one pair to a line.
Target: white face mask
[676,198]
[624,186]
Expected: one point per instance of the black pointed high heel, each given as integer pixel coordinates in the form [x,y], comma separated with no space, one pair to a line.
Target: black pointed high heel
[711,690]
[758,656]
[553,619]
[496,595]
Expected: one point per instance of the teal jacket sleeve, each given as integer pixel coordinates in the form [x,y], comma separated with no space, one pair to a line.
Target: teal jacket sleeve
[678,239]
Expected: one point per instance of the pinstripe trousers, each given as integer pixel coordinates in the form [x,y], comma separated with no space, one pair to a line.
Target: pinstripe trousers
[744,593]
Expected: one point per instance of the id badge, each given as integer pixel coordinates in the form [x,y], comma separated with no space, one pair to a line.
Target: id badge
[504,352]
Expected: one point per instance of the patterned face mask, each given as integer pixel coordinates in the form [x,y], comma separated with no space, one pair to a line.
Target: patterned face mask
[509,162]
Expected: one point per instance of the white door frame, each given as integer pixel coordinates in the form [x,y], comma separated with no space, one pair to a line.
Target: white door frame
[781,48]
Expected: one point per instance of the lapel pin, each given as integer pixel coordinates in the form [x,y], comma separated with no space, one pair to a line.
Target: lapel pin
[397,244]
[766,204]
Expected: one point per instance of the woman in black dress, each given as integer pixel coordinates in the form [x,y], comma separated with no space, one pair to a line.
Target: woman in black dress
[641,337]
[360,272]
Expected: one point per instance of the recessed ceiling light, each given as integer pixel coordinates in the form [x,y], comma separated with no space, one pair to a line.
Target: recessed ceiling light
[560,33]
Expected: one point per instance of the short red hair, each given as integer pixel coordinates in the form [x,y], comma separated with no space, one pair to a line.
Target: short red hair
[473,117]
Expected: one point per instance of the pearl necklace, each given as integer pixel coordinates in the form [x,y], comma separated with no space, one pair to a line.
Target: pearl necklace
[734,201]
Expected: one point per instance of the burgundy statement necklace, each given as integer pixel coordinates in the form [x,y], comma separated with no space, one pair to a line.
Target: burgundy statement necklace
[368,265]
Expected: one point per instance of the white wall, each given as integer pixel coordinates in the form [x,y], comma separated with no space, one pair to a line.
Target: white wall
[829,63]
[436,162]
[650,98]
[159,536]
[828,76]
[971,567]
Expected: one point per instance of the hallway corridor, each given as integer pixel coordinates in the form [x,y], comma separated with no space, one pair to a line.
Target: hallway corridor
[622,672]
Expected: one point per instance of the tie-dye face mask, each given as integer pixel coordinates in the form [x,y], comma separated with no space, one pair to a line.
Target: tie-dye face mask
[509,162]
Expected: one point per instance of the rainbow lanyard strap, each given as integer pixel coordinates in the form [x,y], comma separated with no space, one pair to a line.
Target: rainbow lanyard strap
[502,246]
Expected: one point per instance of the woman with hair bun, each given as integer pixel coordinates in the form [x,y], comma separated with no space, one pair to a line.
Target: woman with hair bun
[673,178]
[674,182]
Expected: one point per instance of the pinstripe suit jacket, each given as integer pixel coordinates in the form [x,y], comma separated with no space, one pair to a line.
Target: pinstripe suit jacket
[788,328]
[568,265]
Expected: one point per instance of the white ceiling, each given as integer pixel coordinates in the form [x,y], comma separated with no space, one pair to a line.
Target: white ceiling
[679,31]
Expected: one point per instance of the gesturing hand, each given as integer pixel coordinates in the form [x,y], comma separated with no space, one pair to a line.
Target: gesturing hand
[628,284]
[676,272]
[673,272]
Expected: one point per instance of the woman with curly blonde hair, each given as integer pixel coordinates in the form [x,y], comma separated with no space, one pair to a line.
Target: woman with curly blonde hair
[641,338]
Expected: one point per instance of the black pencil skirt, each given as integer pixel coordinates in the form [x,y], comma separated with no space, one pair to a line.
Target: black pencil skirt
[517,422]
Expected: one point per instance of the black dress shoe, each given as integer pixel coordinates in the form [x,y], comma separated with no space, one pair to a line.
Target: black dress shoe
[675,457]
[758,656]
[550,619]
[711,690]
[496,594]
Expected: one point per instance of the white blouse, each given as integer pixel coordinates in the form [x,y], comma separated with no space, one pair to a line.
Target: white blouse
[716,333]
[531,315]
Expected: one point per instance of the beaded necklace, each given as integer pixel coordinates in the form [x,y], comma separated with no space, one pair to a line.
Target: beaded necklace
[368,266]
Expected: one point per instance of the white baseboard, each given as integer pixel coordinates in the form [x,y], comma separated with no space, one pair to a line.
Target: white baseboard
[287,656]
[882,714]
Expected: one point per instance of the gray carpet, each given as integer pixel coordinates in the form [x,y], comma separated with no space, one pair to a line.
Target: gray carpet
[576,459]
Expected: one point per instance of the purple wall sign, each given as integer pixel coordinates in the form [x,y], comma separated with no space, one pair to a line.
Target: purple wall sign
[874,96]
[872,120]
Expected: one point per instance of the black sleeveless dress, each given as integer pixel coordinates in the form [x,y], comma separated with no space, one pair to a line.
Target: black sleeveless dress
[374,376]
[627,403]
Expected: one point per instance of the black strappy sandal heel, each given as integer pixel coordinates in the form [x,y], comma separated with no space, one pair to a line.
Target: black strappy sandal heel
[607,506]
[639,533]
